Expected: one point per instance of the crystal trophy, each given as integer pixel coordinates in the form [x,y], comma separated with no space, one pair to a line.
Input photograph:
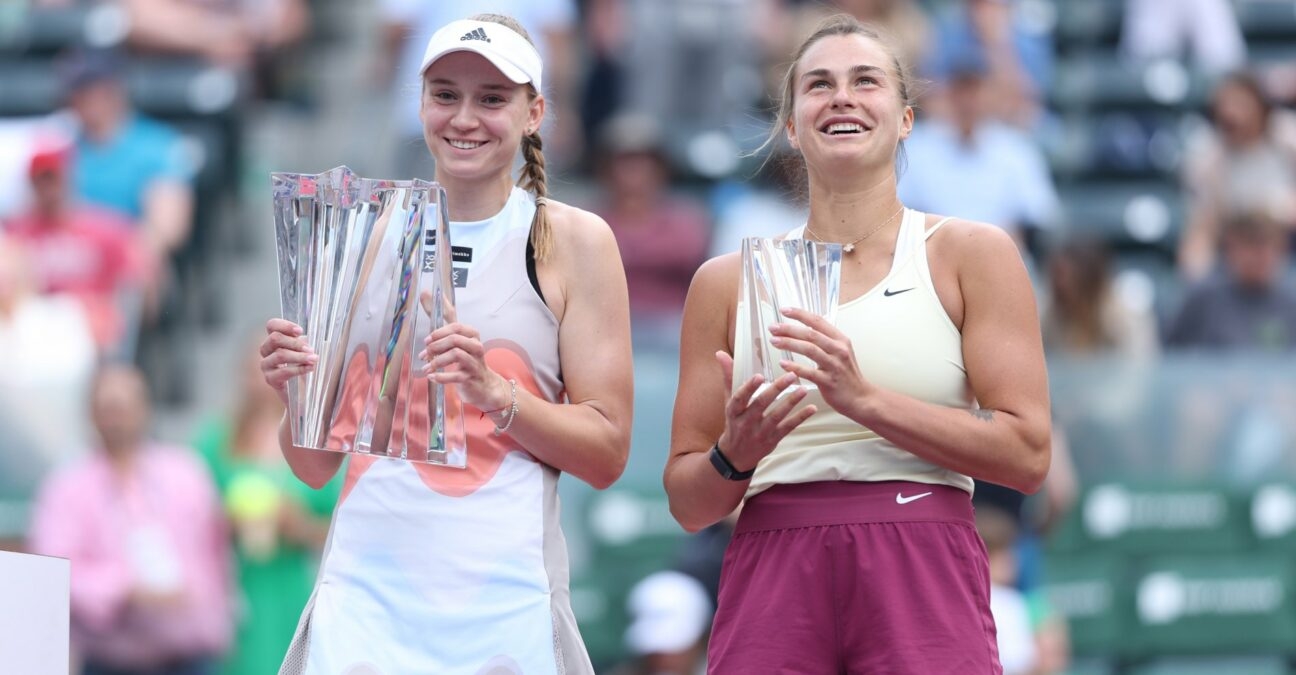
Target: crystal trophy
[778,274]
[364,269]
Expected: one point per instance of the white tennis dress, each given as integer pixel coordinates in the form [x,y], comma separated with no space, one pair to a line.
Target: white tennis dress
[439,570]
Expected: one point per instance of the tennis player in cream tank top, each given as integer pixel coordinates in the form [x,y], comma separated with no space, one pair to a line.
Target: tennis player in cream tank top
[855,549]
[904,341]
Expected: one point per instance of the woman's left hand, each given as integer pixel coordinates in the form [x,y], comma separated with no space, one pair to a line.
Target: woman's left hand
[837,374]
[455,355]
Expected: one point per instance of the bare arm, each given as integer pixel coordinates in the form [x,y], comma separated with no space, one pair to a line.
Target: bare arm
[704,409]
[312,467]
[168,215]
[561,72]
[589,437]
[1006,440]
[387,56]
[168,25]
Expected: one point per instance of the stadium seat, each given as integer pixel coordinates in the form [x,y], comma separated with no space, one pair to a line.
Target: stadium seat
[1089,22]
[165,88]
[630,534]
[47,31]
[1143,213]
[1115,144]
[1103,79]
[1266,19]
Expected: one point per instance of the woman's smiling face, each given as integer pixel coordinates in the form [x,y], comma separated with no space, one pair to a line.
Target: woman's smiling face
[848,106]
[474,117]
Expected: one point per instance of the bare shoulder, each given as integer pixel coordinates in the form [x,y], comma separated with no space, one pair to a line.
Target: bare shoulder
[718,277]
[970,244]
[577,230]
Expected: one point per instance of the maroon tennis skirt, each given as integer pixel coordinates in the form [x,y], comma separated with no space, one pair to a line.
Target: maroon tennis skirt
[846,577]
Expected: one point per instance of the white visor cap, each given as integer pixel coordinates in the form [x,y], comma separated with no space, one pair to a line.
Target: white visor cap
[506,49]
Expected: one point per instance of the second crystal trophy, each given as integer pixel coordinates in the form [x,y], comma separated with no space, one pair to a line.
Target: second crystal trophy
[778,274]
[364,269]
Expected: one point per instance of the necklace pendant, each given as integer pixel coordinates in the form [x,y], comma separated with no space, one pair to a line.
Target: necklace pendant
[849,248]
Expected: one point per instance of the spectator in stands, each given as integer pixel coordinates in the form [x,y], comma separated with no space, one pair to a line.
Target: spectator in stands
[407,25]
[1244,163]
[1082,313]
[1017,53]
[694,67]
[1012,618]
[90,253]
[1166,29]
[604,27]
[230,33]
[669,616]
[123,160]
[701,554]
[1035,517]
[46,358]
[977,166]
[1032,638]
[141,523]
[662,236]
[279,523]
[1247,307]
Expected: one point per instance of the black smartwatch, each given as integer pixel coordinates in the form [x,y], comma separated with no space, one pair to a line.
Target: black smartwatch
[725,468]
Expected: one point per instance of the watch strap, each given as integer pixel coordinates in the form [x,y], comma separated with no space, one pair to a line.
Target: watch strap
[726,468]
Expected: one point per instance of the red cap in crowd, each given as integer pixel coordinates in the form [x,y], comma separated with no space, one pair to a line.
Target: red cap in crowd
[49,158]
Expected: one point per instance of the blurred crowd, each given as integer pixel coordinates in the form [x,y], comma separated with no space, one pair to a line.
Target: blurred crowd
[123,148]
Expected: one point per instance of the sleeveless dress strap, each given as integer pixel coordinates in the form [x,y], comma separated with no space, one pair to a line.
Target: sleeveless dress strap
[908,238]
[937,226]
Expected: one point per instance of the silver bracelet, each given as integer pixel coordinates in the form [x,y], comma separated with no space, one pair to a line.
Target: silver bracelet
[512,409]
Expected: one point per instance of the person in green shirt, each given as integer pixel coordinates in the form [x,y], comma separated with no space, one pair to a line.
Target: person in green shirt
[278,523]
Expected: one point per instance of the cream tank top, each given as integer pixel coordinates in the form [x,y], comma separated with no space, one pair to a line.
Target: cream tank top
[905,342]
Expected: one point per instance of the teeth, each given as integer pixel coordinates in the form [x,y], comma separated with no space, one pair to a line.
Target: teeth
[845,128]
[465,145]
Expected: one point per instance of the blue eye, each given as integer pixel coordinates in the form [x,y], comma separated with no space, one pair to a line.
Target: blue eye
[443,96]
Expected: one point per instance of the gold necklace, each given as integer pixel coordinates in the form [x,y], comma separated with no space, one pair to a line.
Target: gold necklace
[850,247]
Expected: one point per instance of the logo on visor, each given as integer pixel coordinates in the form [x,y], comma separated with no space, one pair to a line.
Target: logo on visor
[475,34]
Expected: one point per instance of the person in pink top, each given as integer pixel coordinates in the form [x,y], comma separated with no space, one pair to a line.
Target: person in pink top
[87,252]
[662,235]
[141,523]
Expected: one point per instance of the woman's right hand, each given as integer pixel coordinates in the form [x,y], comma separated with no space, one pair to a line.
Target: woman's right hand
[755,423]
[285,354]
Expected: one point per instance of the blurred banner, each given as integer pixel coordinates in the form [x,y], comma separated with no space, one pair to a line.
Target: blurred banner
[364,269]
